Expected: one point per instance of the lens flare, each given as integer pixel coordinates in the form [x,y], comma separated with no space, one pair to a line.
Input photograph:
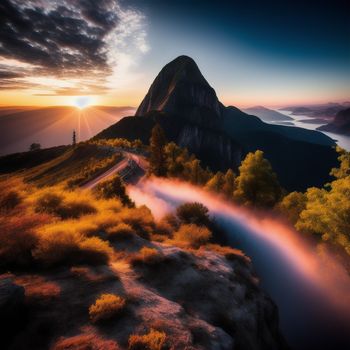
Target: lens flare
[311,288]
[82,102]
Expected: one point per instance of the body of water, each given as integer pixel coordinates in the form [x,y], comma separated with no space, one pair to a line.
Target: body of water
[300,121]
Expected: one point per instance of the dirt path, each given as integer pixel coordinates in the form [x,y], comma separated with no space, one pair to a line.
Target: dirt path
[128,165]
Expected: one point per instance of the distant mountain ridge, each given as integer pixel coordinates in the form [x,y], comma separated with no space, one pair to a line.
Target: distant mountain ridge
[266,114]
[186,106]
[321,111]
[340,123]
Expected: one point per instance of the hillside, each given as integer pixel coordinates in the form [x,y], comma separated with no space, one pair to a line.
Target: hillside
[186,106]
[340,124]
[80,271]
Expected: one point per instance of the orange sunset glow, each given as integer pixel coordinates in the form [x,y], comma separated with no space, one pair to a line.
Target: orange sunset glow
[174,175]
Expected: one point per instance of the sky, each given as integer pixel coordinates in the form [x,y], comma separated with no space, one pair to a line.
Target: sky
[252,52]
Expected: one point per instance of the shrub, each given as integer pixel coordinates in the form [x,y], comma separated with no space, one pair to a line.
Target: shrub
[193,234]
[114,188]
[59,246]
[193,213]
[153,340]
[120,231]
[9,201]
[18,239]
[106,307]
[85,342]
[62,203]
[140,219]
[147,256]
[49,203]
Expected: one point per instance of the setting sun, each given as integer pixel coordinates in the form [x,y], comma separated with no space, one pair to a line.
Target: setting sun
[82,102]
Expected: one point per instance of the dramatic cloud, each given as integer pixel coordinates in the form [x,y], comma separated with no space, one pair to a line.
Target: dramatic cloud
[76,44]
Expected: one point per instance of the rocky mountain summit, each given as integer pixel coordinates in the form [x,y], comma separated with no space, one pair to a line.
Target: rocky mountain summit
[188,109]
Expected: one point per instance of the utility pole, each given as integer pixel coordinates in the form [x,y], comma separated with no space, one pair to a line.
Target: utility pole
[74,139]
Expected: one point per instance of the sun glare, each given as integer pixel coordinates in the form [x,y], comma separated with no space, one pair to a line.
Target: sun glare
[82,102]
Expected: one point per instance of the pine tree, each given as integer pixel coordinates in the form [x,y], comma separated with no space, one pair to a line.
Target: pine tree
[157,149]
[229,183]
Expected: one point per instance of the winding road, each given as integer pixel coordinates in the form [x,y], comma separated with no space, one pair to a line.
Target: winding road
[127,167]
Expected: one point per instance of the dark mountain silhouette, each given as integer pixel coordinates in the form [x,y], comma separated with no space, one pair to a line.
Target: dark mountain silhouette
[340,123]
[266,114]
[324,111]
[186,106]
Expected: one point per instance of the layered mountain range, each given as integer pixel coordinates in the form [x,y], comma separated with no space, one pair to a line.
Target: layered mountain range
[340,124]
[187,107]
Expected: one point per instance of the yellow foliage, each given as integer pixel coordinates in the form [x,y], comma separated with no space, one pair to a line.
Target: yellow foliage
[147,256]
[106,307]
[120,231]
[193,235]
[60,243]
[153,340]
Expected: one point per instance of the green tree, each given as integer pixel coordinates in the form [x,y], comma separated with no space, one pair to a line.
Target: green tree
[344,167]
[193,213]
[229,183]
[257,184]
[327,213]
[216,183]
[157,164]
[292,205]
[195,173]
[176,157]
[114,188]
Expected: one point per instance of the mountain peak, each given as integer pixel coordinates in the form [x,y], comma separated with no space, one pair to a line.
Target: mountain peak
[180,89]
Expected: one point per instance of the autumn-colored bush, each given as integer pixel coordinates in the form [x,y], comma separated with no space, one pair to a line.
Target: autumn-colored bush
[57,246]
[120,231]
[140,219]
[63,203]
[147,256]
[167,225]
[85,342]
[18,239]
[193,235]
[9,200]
[153,340]
[193,213]
[106,307]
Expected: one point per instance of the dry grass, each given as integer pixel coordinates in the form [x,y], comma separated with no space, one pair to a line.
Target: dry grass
[147,256]
[65,204]
[85,342]
[57,246]
[228,252]
[140,219]
[153,340]
[18,238]
[106,307]
[193,235]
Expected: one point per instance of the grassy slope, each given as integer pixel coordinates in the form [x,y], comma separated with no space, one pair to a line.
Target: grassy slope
[49,168]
